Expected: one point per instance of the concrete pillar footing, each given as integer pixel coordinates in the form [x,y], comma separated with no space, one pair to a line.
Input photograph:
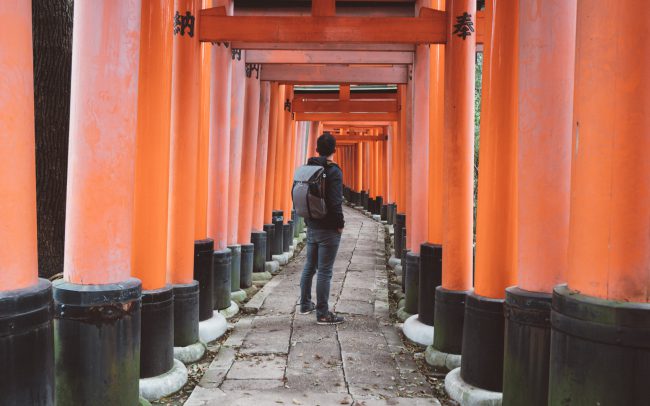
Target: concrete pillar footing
[376,217]
[281,259]
[261,277]
[212,328]
[468,395]
[230,311]
[158,387]
[272,266]
[398,269]
[191,353]
[441,360]
[402,315]
[418,332]
[238,295]
[393,261]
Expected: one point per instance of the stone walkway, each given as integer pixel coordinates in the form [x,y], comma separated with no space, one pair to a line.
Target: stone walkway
[278,356]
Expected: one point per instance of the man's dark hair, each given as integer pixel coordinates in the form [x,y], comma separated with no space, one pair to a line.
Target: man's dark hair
[326,144]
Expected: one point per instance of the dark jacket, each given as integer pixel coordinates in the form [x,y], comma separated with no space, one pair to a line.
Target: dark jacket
[333,196]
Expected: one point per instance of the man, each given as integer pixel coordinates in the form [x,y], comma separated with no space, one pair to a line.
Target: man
[323,236]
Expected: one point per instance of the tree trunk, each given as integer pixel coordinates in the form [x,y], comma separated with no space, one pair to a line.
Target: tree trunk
[52,40]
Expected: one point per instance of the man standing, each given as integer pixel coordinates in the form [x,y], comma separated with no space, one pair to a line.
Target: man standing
[323,236]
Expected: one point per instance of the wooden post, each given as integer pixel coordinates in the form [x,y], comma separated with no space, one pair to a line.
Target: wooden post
[261,172]
[274,114]
[237,117]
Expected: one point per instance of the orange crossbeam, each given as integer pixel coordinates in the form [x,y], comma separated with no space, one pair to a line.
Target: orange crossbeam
[337,57]
[358,138]
[343,106]
[216,26]
[346,117]
[353,96]
[334,74]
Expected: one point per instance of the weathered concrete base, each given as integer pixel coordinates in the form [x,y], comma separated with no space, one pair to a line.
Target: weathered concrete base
[281,259]
[401,300]
[418,332]
[302,236]
[441,360]
[261,277]
[367,213]
[402,315]
[190,354]
[468,395]
[295,242]
[230,311]
[376,217]
[389,229]
[393,262]
[212,328]
[238,296]
[272,266]
[163,385]
[144,402]
[398,269]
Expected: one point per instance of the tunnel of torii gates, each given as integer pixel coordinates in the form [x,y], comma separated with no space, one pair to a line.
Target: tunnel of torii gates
[188,118]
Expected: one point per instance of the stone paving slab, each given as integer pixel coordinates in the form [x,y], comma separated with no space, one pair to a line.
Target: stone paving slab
[276,356]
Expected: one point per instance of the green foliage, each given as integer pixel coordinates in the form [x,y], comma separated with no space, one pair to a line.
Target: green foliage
[477,126]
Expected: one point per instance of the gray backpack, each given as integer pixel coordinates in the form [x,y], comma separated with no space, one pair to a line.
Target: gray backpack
[308,192]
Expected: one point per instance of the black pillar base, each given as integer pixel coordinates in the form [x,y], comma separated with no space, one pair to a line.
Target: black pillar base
[292,228]
[246,267]
[403,262]
[270,236]
[400,223]
[364,200]
[277,248]
[448,320]
[258,238]
[204,274]
[235,267]
[221,287]
[482,362]
[157,343]
[97,330]
[411,274]
[430,279]
[384,213]
[186,314]
[526,347]
[379,202]
[371,205]
[286,237]
[27,346]
[600,351]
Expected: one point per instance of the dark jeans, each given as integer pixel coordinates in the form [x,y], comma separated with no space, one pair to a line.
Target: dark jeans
[322,246]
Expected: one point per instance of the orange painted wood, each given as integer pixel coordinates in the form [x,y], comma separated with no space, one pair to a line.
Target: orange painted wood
[237,122]
[262,156]
[101,157]
[436,136]
[201,213]
[280,149]
[249,156]
[323,7]
[315,46]
[333,74]
[359,169]
[18,251]
[496,219]
[483,27]
[342,117]
[219,156]
[609,242]
[151,192]
[274,114]
[329,57]
[353,96]
[356,138]
[343,106]
[344,92]
[407,109]
[418,232]
[288,169]
[546,70]
[458,153]
[376,30]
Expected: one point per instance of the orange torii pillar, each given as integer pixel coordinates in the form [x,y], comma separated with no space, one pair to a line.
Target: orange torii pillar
[420,331]
[390,173]
[151,192]
[247,187]
[496,223]
[287,202]
[286,136]
[600,348]
[276,148]
[186,74]
[204,245]
[261,235]
[358,186]
[97,303]
[545,87]
[219,172]
[273,234]
[26,333]
[237,117]
[458,177]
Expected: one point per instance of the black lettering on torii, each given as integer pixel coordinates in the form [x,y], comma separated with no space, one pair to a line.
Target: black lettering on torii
[464,26]
[183,22]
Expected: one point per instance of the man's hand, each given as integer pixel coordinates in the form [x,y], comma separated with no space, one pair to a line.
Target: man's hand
[340,230]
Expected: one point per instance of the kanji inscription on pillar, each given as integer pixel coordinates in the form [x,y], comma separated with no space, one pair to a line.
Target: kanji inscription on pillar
[464,26]
[181,23]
